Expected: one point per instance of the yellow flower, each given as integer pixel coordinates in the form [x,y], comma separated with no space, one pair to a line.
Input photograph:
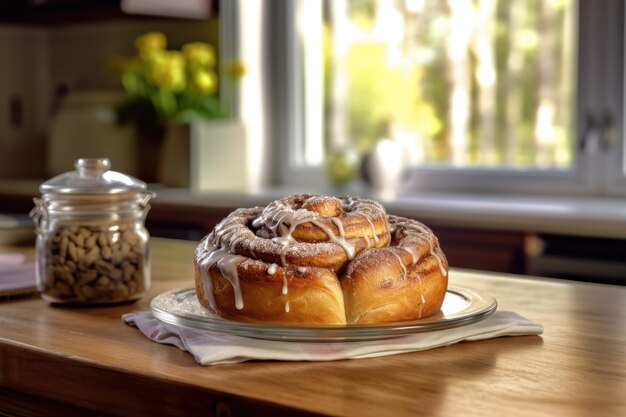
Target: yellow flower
[173,82]
[169,77]
[150,45]
[205,81]
[236,69]
[168,70]
[151,55]
[167,59]
[151,41]
[199,54]
[176,59]
[163,57]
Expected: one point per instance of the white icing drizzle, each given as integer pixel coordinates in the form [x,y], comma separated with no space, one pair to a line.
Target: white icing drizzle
[399,258]
[283,256]
[258,222]
[204,265]
[369,219]
[271,270]
[439,261]
[281,220]
[421,309]
[221,230]
[227,263]
[283,240]
[285,289]
[367,240]
[337,221]
[287,307]
[275,221]
[301,269]
[412,250]
[423,231]
[226,227]
[367,210]
[233,244]
[341,241]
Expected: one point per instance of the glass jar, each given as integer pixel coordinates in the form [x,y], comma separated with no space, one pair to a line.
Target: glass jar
[92,245]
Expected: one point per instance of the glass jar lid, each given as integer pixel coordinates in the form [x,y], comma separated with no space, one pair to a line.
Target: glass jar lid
[93,192]
[93,176]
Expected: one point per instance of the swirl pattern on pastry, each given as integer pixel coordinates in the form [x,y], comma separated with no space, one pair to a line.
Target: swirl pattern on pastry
[320,260]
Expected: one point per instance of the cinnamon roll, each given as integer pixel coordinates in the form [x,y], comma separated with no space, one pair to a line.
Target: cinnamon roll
[320,260]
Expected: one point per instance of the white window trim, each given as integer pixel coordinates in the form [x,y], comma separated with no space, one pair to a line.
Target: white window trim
[600,70]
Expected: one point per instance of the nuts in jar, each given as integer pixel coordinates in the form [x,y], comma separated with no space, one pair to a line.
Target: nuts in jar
[92,245]
[95,264]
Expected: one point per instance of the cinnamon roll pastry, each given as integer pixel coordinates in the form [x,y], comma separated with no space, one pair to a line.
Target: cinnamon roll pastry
[320,260]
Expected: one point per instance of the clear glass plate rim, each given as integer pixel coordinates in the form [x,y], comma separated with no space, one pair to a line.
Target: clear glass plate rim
[483,305]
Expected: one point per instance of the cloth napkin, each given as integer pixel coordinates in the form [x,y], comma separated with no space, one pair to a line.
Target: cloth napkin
[16,277]
[211,348]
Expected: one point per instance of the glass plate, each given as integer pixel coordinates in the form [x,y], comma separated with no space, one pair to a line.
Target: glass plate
[461,306]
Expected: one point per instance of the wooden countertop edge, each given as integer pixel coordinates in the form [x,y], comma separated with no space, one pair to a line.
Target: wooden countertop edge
[117,391]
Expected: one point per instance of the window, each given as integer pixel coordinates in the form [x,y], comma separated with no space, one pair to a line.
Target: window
[483,95]
[461,83]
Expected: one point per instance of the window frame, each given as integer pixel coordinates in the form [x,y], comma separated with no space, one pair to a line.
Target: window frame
[600,89]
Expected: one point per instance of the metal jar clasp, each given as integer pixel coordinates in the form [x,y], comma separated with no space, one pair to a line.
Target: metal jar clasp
[40,216]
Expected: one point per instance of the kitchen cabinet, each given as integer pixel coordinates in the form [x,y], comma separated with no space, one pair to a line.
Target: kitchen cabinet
[61,53]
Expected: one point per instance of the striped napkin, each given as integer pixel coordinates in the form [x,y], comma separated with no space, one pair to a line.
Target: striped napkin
[211,348]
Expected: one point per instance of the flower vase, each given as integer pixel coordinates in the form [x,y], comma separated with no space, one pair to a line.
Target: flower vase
[204,155]
[173,169]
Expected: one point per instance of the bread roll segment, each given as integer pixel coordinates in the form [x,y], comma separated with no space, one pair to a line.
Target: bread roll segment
[313,296]
[377,289]
[320,260]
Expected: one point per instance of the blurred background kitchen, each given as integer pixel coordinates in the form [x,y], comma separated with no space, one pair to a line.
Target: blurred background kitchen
[496,122]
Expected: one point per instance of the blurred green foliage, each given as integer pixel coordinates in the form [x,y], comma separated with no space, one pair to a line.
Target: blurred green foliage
[533,50]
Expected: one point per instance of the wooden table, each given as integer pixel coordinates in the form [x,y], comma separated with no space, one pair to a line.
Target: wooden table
[73,361]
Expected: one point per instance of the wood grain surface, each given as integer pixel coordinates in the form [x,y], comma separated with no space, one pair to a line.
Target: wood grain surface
[87,359]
